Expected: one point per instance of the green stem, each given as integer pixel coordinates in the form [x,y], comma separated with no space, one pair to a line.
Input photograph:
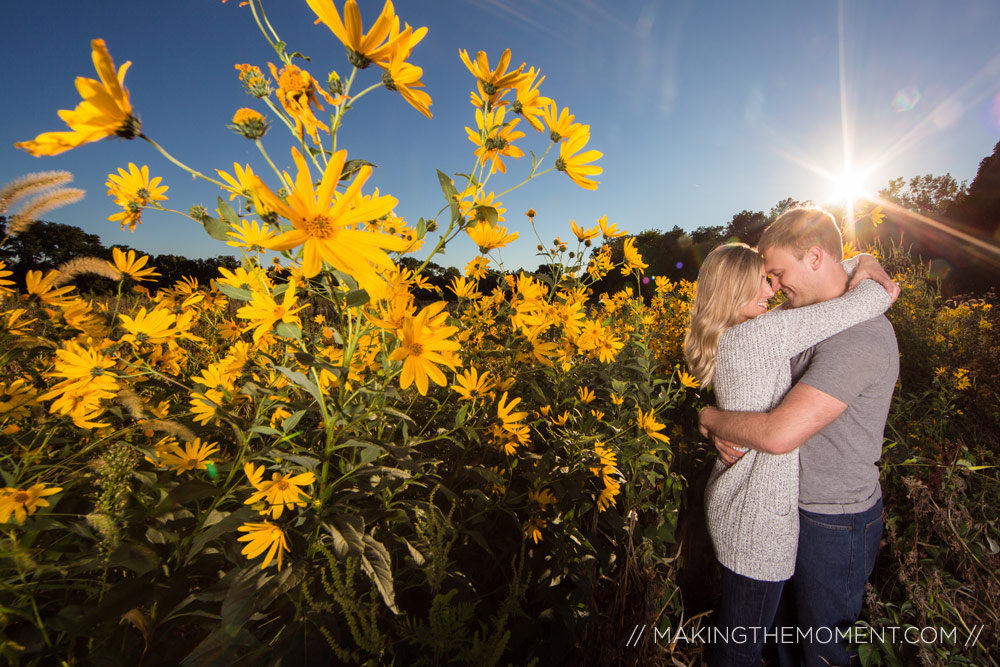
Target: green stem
[281,177]
[193,172]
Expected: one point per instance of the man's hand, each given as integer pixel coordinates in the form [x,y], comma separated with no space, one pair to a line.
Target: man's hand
[868,267]
[727,450]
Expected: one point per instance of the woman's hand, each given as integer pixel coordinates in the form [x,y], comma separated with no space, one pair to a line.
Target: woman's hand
[868,267]
[728,451]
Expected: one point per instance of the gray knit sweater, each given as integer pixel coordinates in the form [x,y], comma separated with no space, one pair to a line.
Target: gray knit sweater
[752,506]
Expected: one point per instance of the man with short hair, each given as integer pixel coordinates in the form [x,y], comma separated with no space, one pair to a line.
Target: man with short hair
[836,413]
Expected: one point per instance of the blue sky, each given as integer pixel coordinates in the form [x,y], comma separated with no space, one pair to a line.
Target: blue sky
[702,109]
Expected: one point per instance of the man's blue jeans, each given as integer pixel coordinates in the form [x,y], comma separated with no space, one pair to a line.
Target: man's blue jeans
[836,556]
[745,613]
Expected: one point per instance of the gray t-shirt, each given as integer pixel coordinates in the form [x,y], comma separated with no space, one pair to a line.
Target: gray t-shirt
[838,472]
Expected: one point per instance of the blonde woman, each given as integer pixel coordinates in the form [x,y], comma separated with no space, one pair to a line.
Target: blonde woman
[744,351]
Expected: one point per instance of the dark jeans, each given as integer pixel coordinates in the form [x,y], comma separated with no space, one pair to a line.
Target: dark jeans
[745,612]
[836,556]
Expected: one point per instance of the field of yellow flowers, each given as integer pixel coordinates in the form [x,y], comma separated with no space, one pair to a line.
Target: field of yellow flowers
[300,459]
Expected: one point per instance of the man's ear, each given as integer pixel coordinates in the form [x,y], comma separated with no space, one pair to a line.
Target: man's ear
[814,257]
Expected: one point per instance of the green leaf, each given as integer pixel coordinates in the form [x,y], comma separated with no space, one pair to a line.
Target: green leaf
[216,228]
[450,195]
[346,531]
[288,330]
[227,213]
[487,213]
[237,293]
[352,167]
[375,562]
[301,380]
[421,228]
[356,298]
[299,55]
[217,524]
[292,420]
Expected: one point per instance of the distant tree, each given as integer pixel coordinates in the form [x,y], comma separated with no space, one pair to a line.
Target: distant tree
[747,226]
[979,210]
[781,207]
[47,245]
[928,195]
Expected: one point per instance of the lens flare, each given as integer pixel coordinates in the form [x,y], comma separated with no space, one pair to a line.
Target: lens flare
[906,98]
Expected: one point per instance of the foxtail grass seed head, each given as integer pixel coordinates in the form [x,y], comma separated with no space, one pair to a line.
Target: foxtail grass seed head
[132,403]
[172,428]
[41,205]
[30,184]
[81,265]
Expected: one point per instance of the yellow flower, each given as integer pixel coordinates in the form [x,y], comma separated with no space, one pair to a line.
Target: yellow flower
[323,222]
[362,49]
[494,138]
[15,398]
[504,414]
[584,234]
[424,343]
[194,456]
[877,216]
[560,123]
[688,380]
[493,80]
[489,237]
[280,491]
[616,399]
[242,185]
[253,80]
[476,269]
[153,327]
[610,231]
[533,528]
[632,258]
[43,289]
[261,536]
[585,394]
[961,379]
[576,164]
[105,110]
[298,93]
[249,123]
[264,312]
[128,265]
[651,426]
[404,78]
[543,497]
[561,419]
[470,385]
[464,289]
[23,502]
[529,103]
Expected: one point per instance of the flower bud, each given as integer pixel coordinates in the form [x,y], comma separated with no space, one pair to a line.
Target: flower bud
[248,123]
[198,212]
[334,84]
[432,225]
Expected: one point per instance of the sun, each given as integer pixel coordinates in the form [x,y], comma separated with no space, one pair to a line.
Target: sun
[849,186]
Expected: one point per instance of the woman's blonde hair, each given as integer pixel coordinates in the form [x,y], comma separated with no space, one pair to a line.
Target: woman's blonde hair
[728,280]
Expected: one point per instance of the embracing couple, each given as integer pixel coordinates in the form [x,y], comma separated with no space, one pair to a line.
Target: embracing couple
[793,505]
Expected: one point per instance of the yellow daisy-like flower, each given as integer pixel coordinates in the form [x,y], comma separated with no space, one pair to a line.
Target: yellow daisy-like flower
[576,164]
[651,426]
[242,185]
[127,264]
[560,123]
[404,78]
[5,285]
[489,237]
[15,398]
[262,537]
[877,216]
[154,327]
[264,312]
[585,394]
[22,503]
[194,456]
[610,231]
[542,497]
[104,112]
[298,93]
[529,102]
[249,123]
[323,222]
[632,258]
[43,289]
[249,235]
[470,385]
[279,492]
[464,289]
[494,138]
[585,234]
[688,380]
[424,344]
[505,413]
[533,528]
[133,190]
[476,269]
[493,80]
[362,49]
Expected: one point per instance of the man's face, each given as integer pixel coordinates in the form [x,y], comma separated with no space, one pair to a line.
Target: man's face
[791,275]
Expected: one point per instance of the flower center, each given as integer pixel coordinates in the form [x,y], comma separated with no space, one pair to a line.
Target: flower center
[560,164]
[96,371]
[282,485]
[321,227]
[495,144]
[388,82]
[416,349]
[357,59]
[21,497]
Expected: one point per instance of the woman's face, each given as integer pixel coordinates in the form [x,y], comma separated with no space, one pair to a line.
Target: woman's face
[757,305]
